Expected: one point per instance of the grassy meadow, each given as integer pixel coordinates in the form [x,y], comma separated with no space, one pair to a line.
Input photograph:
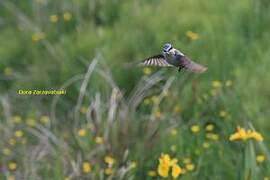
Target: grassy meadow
[120,121]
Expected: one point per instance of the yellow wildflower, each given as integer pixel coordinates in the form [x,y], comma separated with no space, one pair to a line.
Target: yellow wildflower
[265,178]
[35,38]
[38,36]
[83,109]
[17,119]
[67,16]
[176,171]
[133,164]
[192,35]
[163,170]
[6,151]
[195,128]
[152,173]
[166,159]
[8,71]
[216,84]
[12,166]
[190,167]
[158,114]
[146,101]
[165,163]
[187,160]
[212,136]
[44,119]
[10,178]
[108,171]
[260,158]
[177,109]
[86,167]
[24,140]
[242,134]
[155,99]
[109,160]
[82,132]
[99,140]
[228,83]
[173,132]
[173,161]
[167,93]
[209,127]
[255,135]
[223,114]
[213,92]
[18,133]
[147,71]
[31,122]
[53,18]
[206,145]
[12,141]
[183,171]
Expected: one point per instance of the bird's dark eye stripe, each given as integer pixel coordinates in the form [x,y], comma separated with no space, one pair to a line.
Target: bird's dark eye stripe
[166,50]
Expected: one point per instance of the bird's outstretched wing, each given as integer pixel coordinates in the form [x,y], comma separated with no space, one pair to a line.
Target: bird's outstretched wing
[192,66]
[157,60]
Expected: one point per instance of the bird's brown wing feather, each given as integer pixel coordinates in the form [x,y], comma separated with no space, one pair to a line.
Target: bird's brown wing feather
[157,60]
[192,66]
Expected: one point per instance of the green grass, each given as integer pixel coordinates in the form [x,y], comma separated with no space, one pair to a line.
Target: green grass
[233,42]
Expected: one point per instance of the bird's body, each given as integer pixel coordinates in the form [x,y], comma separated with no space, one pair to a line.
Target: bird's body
[173,57]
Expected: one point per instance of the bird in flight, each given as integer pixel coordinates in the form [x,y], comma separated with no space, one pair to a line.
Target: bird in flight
[173,57]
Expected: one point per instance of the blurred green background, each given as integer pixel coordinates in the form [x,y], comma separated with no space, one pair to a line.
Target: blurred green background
[117,118]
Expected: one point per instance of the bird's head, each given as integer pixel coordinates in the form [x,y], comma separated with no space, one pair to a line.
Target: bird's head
[167,47]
